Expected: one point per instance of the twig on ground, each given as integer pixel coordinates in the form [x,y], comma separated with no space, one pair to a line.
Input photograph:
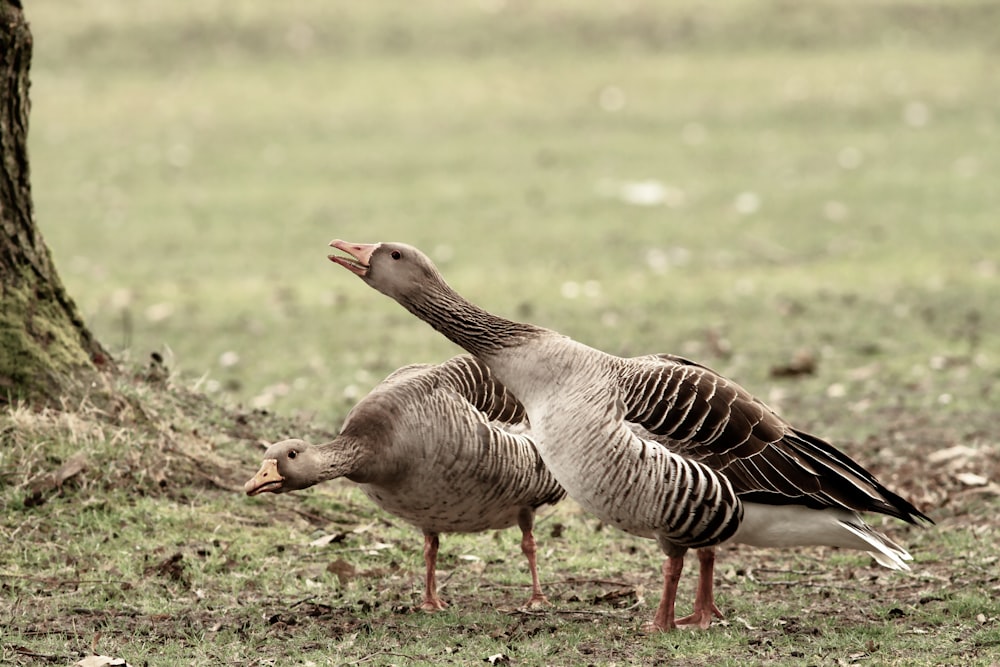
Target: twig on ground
[51,581]
[372,656]
[599,582]
[303,600]
[28,653]
[778,570]
[575,612]
[812,584]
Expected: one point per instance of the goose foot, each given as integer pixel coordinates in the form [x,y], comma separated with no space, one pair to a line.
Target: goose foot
[433,604]
[537,601]
[701,618]
[653,628]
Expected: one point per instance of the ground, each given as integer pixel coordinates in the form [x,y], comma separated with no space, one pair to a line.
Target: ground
[146,549]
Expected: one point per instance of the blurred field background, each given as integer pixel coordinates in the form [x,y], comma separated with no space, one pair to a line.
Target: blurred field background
[803,196]
[636,174]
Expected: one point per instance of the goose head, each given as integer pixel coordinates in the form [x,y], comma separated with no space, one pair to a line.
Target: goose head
[407,275]
[397,270]
[288,465]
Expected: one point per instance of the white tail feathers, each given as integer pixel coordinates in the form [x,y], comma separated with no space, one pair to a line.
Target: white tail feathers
[795,525]
[886,552]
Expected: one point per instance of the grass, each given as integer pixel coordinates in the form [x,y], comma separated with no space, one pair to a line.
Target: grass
[177,568]
[823,183]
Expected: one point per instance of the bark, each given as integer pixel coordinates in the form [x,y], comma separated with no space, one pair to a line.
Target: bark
[46,349]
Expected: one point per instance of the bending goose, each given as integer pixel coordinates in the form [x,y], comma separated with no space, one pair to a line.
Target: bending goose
[433,445]
[658,446]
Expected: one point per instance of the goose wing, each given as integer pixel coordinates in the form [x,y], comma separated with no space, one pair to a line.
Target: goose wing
[479,458]
[474,382]
[695,412]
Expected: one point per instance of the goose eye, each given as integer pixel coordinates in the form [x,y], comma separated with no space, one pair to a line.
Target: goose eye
[395,254]
[292,454]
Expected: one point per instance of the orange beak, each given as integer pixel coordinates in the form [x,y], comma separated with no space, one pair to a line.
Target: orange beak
[267,479]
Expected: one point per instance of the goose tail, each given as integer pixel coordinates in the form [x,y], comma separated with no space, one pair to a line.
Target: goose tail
[885,552]
[795,525]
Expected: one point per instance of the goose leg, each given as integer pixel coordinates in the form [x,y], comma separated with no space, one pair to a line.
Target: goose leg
[664,618]
[431,600]
[704,599]
[526,522]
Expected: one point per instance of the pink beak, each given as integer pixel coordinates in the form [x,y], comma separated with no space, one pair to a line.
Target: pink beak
[360,255]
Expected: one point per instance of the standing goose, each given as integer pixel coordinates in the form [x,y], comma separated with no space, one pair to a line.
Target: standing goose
[658,446]
[435,446]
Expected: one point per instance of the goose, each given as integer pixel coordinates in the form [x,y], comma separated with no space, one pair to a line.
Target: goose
[437,446]
[658,446]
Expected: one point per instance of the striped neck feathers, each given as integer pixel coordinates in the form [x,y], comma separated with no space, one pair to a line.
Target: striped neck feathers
[467,325]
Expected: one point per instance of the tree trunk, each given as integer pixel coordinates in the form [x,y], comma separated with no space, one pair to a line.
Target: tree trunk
[45,348]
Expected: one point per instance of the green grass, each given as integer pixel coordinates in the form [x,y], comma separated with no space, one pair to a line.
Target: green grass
[186,571]
[829,184]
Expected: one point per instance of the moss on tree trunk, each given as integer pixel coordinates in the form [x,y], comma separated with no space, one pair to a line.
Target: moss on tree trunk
[45,349]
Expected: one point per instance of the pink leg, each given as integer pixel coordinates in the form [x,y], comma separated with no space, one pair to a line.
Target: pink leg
[526,521]
[704,600]
[431,600]
[664,619]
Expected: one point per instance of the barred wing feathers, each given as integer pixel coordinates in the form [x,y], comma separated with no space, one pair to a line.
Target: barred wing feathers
[695,412]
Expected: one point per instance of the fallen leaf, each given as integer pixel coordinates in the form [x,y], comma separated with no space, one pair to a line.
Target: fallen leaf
[73,467]
[622,597]
[971,479]
[951,453]
[170,567]
[991,488]
[344,570]
[52,481]
[100,661]
[328,539]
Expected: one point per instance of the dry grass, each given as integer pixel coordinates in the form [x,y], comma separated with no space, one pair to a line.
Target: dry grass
[129,536]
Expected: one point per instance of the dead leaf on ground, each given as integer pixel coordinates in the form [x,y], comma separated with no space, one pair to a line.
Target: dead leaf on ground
[623,597]
[101,661]
[803,363]
[971,479]
[170,567]
[958,455]
[344,570]
[52,481]
[330,538]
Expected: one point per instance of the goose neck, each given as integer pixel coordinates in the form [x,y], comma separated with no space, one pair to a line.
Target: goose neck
[467,325]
